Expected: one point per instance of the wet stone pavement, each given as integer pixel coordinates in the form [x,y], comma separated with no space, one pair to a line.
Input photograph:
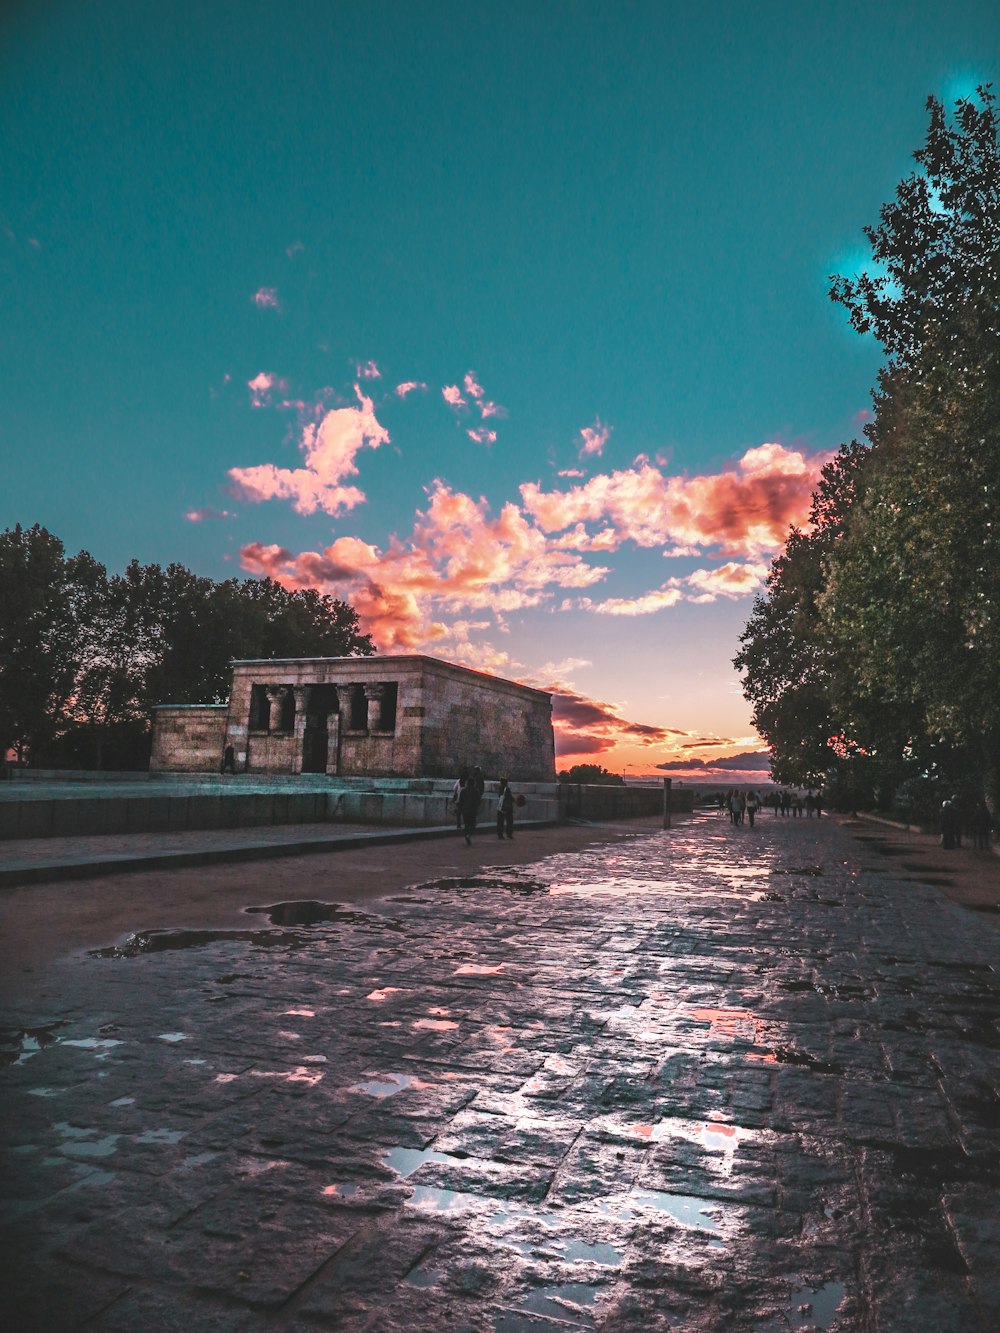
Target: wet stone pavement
[708,1079]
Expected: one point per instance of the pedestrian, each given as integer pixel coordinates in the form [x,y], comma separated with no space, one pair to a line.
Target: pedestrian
[505,810]
[456,793]
[951,825]
[810,804]
[734,805]
[982,827]
[819,805]
[469,801]
[786,801]
[228,761]
[753,805]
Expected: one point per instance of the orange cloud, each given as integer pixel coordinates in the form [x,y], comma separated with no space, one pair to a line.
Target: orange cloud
[587,727]
[329,448]
[594,438]
[458,557]
[744,510]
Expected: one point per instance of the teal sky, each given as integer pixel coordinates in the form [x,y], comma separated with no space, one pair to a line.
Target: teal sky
[616,218]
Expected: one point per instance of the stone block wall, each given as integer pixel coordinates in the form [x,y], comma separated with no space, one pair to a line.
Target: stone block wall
[188,738]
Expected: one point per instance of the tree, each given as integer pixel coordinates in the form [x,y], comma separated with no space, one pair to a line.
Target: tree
[592,773]
[42,596]
[937,244]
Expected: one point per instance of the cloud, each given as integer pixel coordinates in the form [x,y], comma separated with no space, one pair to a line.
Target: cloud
[204,515]
[594,438]
[459,557]
[482,436]
[702,585]
[730,580]
[472,391]
[367,370]
[745,510]
[263,386]
[266,298]
[751,761]
[585,726]
[294,249]
[329,448]
[408,387]
[571,472]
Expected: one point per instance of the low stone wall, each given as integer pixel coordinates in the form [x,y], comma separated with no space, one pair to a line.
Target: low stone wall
[598,801]
[188,737]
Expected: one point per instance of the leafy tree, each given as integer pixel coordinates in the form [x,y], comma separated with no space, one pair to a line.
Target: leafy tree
[85,656]
[936,245]
[592,773]
[40,648]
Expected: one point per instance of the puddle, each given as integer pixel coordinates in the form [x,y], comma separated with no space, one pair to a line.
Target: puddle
[687,1209]
[568,1300]
[101,1046]
[807,1308]
[388,1085]
[173,1036]
[79,1142]
[160,1136]
[21,1044]
[123,1101]
[342,1190]
[435,1024]
[478,970]
[379,995]
[404,1161]
[299,1013]
[160,941]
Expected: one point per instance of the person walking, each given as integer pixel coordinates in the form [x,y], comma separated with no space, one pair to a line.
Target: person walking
[468,809]
[505,810]
[456,795]
[753,805]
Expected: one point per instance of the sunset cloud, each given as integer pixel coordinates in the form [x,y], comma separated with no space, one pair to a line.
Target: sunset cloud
[458,558]
[206,514]
[585,728]
[408,387]
[263,387]
[482,436]
[452,395]
[329,448]
[472,393]
[368,370]
[266,298]
[745,510]
[594,438]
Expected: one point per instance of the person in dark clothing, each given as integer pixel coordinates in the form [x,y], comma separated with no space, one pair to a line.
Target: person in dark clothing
[505,810]
[469,800]
[951,826]
[228,761]
[982,827]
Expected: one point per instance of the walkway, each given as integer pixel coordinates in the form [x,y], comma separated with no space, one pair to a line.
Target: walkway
[709,1079]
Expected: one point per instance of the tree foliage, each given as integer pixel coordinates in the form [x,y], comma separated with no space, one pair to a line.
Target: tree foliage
[85,655]
[590,774]
[880,625]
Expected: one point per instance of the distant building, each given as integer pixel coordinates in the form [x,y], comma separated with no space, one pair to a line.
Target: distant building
[411,716]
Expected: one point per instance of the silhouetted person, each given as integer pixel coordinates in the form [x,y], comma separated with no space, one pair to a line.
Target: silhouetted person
[752,806]
[505,810]
[982,827]
[951,826]
[456,793]
[468,807]
[228,761]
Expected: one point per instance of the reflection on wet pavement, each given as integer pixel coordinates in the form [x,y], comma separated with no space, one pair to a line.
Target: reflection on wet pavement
[710,1079]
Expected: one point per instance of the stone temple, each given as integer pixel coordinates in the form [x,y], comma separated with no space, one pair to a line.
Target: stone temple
[391,717]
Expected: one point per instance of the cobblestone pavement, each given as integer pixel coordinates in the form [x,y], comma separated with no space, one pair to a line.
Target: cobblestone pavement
[711,1079]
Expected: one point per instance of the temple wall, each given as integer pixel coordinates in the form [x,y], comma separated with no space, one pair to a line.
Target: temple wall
[188,738]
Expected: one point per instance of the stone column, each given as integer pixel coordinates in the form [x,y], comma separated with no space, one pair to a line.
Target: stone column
[301,693]
[374,694]
[275,696]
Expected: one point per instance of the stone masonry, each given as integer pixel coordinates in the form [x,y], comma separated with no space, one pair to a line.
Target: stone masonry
[410,716]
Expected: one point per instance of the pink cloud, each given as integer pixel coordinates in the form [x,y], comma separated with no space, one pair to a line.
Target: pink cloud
[571,472]
[266,298]
[745,510]
[729,580]
[408,387]
[452,395]
[594,438]
[458,558]
[586,727]
[263,386]
[472,386]
[482,436]
[329,448]
[204,515]
[368,370]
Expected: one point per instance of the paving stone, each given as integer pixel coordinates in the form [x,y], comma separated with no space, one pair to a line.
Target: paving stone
[710,1079]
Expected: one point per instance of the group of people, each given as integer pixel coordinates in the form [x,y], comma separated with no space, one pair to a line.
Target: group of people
[742,805]
[980,825]
[467,796]
[745,805]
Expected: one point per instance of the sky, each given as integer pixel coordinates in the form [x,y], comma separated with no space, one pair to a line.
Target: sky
[507,323]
